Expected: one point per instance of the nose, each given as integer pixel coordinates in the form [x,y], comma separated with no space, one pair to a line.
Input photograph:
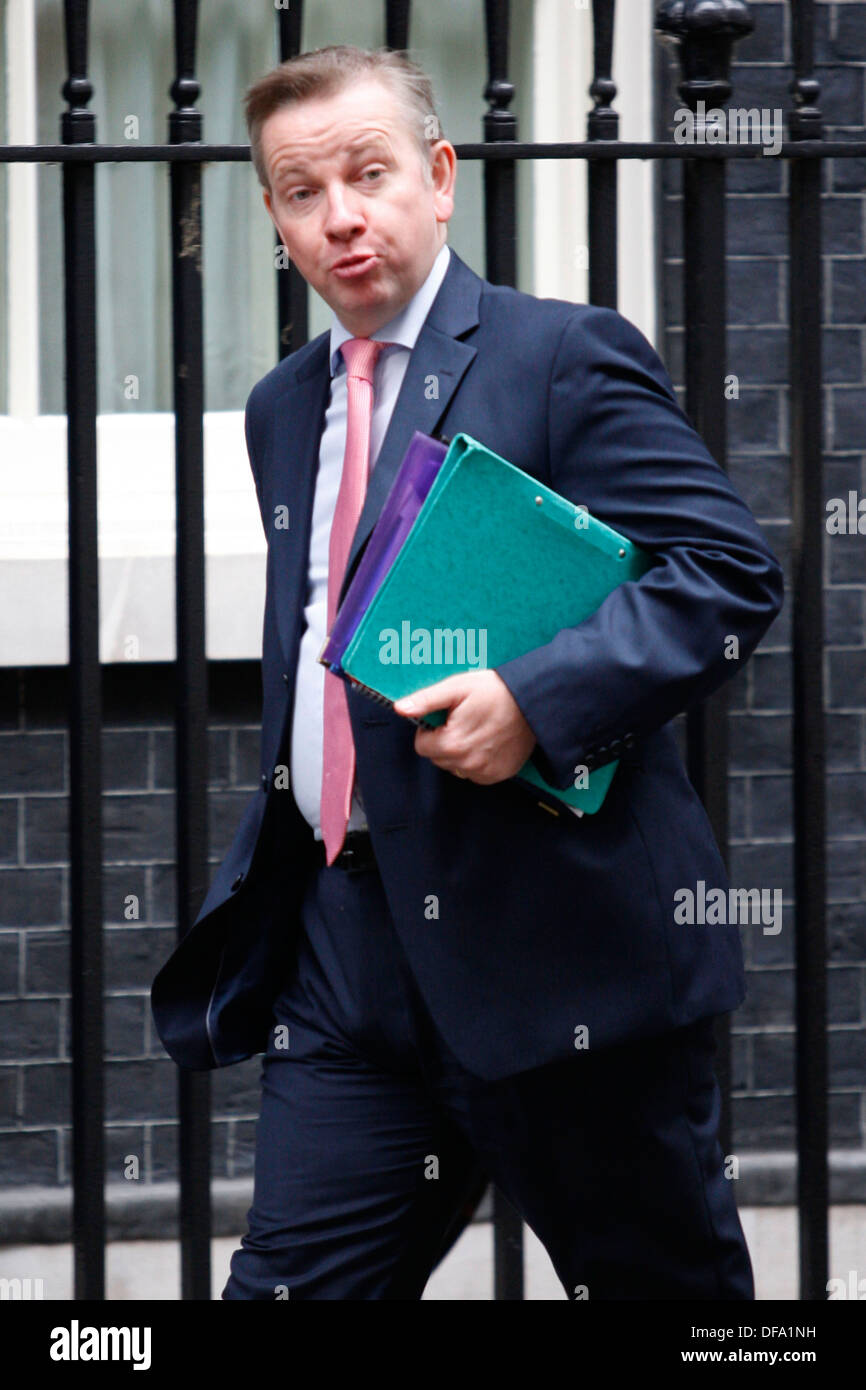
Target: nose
[343,216]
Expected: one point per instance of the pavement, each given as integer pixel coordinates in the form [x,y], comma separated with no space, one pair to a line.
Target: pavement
[150,1269]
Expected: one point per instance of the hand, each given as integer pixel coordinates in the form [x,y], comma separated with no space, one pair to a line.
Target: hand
[485,739]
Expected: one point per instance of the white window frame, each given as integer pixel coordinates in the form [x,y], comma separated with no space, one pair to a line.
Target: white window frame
[563,74]
[135,474]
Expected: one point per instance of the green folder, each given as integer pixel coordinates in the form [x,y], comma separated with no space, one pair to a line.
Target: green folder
[494,565]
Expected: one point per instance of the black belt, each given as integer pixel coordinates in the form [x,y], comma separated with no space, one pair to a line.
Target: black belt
[356,854]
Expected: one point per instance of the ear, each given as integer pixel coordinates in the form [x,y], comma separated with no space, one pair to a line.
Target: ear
[444,171]
[266,198]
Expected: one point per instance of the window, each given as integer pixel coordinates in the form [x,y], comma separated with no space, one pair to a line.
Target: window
[131,69]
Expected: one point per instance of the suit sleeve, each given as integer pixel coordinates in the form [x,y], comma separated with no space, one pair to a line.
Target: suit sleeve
[621,445]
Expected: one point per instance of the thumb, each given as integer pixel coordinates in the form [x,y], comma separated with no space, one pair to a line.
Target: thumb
[443,695]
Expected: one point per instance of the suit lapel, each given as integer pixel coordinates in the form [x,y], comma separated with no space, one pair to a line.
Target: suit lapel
[435,369]
[298,419]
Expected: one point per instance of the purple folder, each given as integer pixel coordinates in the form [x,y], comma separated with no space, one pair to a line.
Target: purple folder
[414,479]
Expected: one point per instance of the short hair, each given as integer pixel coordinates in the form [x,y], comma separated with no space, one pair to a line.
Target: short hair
[325,71]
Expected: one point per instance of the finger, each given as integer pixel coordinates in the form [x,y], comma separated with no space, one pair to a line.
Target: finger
[435,743]
[443,695]
[453,768]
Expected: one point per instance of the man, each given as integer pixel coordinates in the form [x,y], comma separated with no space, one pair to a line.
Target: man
[450,981]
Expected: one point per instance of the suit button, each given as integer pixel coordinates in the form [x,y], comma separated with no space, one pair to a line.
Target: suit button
[628,740]
[590,761]
[615,745]
[265,780]
[237,883]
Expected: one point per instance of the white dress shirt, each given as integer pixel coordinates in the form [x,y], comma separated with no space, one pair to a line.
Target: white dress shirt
[307,720]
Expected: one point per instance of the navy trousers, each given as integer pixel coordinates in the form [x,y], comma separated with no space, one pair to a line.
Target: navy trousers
[372,1139]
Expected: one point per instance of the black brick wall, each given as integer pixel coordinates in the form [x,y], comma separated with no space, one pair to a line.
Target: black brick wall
[761,769]
[138,774]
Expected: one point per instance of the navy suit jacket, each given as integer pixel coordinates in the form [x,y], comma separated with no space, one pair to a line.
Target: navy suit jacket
[546,924]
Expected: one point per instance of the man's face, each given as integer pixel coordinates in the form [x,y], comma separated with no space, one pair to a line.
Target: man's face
[346,185]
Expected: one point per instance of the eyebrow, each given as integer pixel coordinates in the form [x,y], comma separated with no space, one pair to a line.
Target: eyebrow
[377,143]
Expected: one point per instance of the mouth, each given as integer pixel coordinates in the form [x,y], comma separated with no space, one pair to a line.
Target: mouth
[352,267]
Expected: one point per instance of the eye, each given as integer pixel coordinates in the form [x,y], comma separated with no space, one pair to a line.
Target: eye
[374,172]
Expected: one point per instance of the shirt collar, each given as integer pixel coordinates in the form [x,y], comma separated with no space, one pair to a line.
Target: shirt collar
[403,327]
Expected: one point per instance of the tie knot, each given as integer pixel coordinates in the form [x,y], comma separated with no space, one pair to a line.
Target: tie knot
[360,356]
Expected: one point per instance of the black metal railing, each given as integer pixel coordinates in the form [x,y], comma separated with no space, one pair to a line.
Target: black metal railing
[704,35]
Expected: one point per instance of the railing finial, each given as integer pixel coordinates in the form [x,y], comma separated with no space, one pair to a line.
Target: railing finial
[603,121]
[77,125]
[499,122]
[705,32]
[184,122]
[805,122]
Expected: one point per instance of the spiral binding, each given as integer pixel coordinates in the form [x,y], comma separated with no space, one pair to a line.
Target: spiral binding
[379,698]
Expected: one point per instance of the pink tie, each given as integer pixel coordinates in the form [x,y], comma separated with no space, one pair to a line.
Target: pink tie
[338,761]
